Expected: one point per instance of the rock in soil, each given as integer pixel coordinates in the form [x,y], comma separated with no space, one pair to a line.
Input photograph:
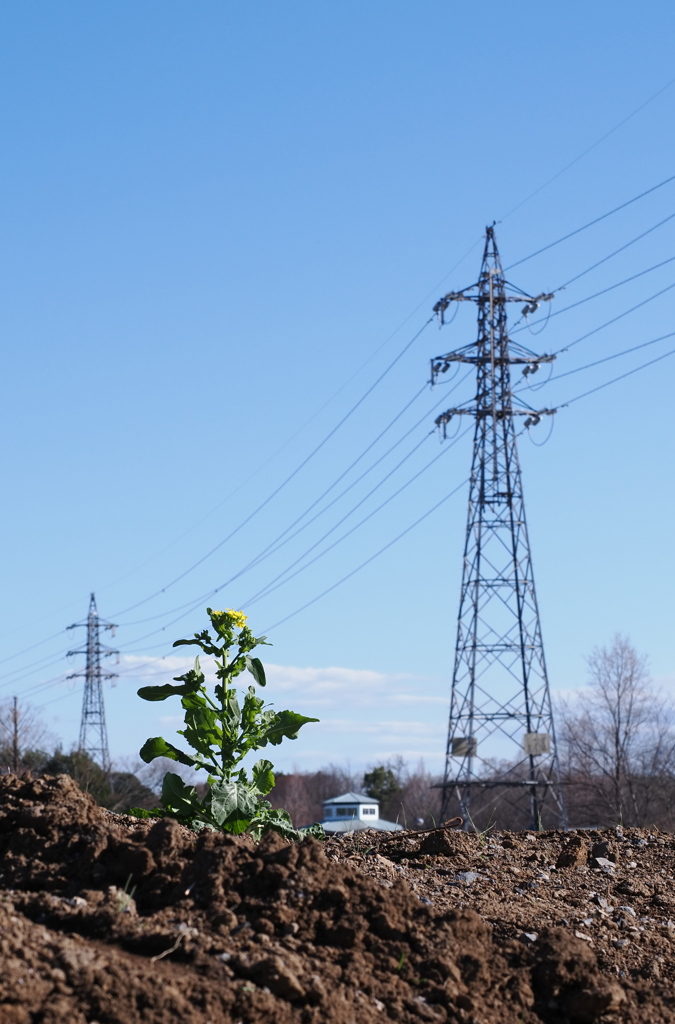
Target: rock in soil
[105,919]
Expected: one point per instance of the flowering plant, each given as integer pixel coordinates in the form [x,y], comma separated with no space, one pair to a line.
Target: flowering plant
[221,731]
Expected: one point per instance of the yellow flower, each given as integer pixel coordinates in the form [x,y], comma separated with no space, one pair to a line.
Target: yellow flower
[238,619]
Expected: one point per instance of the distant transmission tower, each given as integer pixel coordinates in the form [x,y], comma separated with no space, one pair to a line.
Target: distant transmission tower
[93,733]
[501,744]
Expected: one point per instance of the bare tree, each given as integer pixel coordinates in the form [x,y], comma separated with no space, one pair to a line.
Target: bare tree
[618,742]
[23,737]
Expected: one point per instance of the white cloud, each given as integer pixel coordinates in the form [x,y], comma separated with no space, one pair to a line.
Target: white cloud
[365,716]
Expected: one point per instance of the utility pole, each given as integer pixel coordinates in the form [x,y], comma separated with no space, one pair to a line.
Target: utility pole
[93,733]
[15,736]
[501,745]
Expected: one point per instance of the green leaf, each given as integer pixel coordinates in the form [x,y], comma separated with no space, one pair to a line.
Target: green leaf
[280,724]
[161,692]
[179,797]
[255,667]
[316,831]
[232,805]
[203,640]
[156,746]
[192,681]
[272,819]
[263,776]
[201,728]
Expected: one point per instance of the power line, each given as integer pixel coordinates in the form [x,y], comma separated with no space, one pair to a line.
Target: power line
[619,316]
[591,148]
[615,355]
[287,480]
[614,380]
[211,593]
[284,538]
[616,251]
[32,647]
[279,580]
[367,561]
[591,223]
[21,673]
[279,541]
[597,294]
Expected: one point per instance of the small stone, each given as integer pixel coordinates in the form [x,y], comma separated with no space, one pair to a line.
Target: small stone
[467,877]
[606,865]
[599,901]
[582,935]
[628,910]
[603,849]
[620,943]
[528,937]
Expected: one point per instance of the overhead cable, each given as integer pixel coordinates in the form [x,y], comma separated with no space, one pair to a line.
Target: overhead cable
[589,149]
[286,574]
[367,561]
[616,252]
[284,482]
[615,355]
[591,223]
[285,537]
[595,295]
[613,320]
[622,376]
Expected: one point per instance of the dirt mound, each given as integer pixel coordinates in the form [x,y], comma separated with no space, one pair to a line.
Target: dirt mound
[105,919]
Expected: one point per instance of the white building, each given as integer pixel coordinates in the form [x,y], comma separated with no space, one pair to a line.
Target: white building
[353,812]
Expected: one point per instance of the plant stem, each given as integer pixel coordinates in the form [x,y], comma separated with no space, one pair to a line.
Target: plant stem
[223,687]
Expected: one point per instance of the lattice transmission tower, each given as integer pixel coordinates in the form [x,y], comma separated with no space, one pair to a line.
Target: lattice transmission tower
[93,733]
[501,746]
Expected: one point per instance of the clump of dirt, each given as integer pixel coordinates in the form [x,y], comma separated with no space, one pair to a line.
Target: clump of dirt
[108,920]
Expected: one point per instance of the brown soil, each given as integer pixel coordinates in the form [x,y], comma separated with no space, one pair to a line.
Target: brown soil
[109,920]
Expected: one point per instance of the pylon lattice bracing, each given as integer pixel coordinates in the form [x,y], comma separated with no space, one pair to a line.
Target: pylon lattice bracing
[93,733]
[501,745]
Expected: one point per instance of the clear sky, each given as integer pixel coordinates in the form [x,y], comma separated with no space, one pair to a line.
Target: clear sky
[221,225]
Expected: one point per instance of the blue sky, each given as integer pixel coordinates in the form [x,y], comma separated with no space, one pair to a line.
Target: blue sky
[221,224]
